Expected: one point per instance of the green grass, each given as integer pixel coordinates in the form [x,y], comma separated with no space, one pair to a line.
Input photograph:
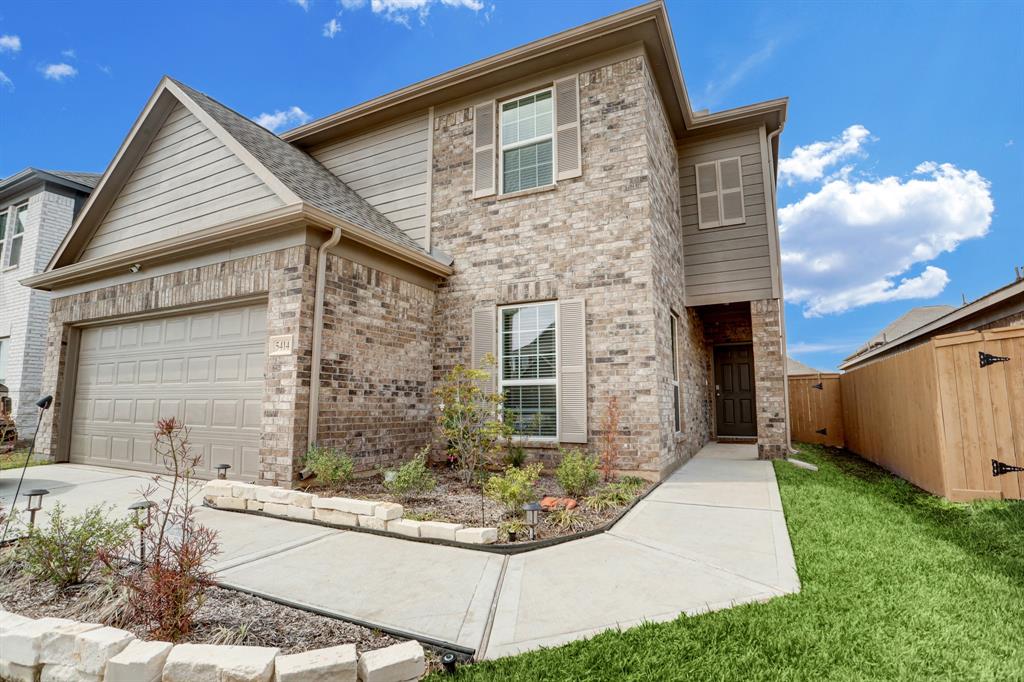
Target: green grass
[16,460]
[896,585]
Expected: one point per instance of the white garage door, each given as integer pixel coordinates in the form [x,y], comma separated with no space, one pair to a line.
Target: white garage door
[205,368]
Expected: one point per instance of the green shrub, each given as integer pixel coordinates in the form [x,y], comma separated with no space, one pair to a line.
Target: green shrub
[634,483]
[65,552]
[577,473]
[411,478]
[330,466]
[609,497]
[516,456]
[514,488]
[514,526]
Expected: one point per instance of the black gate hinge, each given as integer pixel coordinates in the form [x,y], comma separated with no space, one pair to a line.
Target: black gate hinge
[986,359]
[819,386]
[823,432]
[1000,468]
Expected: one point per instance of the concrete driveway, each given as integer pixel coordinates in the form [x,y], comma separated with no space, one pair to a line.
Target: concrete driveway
[711,536]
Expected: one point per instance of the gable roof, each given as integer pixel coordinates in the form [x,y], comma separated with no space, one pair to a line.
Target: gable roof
[300,172]
[907,322]
[306,188]
[80,182]
[796,368]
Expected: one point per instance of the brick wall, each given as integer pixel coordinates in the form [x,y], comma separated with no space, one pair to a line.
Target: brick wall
[590,238]
[23,311]
[376,374]
[769,378]
[286,277]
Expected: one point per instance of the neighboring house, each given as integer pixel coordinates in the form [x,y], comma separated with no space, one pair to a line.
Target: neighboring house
[37,208]
[1003,307]
[560,206]
[797,368]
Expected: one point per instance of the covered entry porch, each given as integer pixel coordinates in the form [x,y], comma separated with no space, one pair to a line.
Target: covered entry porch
[746,363]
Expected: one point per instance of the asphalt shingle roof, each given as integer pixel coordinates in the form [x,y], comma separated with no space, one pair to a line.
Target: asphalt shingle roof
[87,179]
[795,367]
[300,172]
[904,324]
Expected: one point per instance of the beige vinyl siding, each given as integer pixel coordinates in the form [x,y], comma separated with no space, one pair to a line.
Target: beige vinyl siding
[187,180]
[731,263]
[387,166]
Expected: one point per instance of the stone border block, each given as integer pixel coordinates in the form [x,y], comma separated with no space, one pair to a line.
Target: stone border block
[397,663]
[373,523]
[138,662]
[230,503]
[439,530]
[95,647]
[406,527]
[276,508]
[388,511]
[335,664]
[21,644]
[336,518]
[477,536]
[58,645]
[301,513]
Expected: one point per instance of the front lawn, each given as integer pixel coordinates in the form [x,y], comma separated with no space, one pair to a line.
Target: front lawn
[897,585]
[16,459]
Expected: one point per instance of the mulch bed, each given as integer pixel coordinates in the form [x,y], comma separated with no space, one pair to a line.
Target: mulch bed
[226,617]
[456,501]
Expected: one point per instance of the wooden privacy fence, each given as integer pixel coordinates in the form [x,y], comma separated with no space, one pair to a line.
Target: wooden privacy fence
[938,414]
[816,409]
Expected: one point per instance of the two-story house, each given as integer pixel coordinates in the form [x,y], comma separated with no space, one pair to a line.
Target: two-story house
[560,206]
[37,208]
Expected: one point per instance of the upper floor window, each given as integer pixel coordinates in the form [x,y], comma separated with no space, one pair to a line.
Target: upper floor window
[3,234]
[528,364]
[527,141]
[720,193]
[17,235]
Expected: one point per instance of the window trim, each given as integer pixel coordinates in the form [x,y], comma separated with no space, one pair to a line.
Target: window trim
[719,193]
[5,351]
[502,148]
[5,214]
[677,396]
[502,382]
[12,235]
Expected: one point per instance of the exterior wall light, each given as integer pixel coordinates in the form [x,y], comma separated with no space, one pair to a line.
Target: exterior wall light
[142,525]
[35,503]
[532,510]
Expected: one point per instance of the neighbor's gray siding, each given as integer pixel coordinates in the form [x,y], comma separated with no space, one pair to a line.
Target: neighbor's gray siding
[726,264]
[187,180]
[388,167]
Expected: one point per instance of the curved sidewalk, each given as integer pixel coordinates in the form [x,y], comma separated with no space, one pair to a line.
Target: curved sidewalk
[711,536]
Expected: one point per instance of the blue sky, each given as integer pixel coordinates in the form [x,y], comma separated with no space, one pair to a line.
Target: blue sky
[903,179]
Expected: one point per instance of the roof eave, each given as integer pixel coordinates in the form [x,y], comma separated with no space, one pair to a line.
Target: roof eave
[30,176]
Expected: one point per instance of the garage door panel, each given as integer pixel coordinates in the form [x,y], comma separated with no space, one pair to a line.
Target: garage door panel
[205,368]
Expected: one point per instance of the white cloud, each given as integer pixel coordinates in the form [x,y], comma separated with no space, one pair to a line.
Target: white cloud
[808,347]
[291,116]
[58,72]
[10,43]
[5,81]
[353,4]
[716,89]
[304,4]
[854,242]
[331,28]
[400,11]
[809,162]
[69,53]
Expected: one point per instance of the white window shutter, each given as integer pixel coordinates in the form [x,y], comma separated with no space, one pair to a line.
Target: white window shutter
[707,195]
[567,128]
[483,342]
[730,177]
[483,149]
[572,371]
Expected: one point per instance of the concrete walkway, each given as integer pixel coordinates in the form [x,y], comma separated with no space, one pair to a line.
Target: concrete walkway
[711,536]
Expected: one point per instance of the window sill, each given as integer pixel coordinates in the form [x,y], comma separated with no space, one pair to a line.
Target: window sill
[11,268]
[527,192]
[545,444]
[715,227]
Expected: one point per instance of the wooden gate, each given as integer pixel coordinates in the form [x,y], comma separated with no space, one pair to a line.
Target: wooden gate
[816,409]
[982,411]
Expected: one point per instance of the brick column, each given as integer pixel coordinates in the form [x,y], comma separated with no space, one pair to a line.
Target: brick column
[769,378]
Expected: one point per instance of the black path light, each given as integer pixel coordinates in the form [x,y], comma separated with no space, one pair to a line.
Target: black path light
[532,510]
[35,503]
[222,471]
[43,404]
[142,525]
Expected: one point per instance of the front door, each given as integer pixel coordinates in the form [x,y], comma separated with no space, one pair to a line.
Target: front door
[734,390]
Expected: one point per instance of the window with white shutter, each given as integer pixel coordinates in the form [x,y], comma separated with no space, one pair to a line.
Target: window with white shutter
[567,127]
[527,142]
[529,368]
[482,343]
[720,193]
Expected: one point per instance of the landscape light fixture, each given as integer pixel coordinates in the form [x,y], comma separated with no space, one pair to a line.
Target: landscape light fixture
[35,503]
[222,471]
[142,525]
[532,510]
[43,404]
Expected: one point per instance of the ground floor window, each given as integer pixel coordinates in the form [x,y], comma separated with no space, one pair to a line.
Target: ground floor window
[529,368]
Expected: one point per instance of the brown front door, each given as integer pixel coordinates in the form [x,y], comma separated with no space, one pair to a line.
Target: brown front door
[734,390]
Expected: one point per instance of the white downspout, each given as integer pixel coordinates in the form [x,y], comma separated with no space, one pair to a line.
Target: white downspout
[782,301]
[318,324]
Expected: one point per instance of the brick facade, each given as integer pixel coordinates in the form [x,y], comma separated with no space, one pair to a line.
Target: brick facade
[769,378]
[376,373]
[285,277]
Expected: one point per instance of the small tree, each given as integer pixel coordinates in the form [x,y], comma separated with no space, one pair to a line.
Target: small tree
[609,441]
[470,416]
[166,589]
